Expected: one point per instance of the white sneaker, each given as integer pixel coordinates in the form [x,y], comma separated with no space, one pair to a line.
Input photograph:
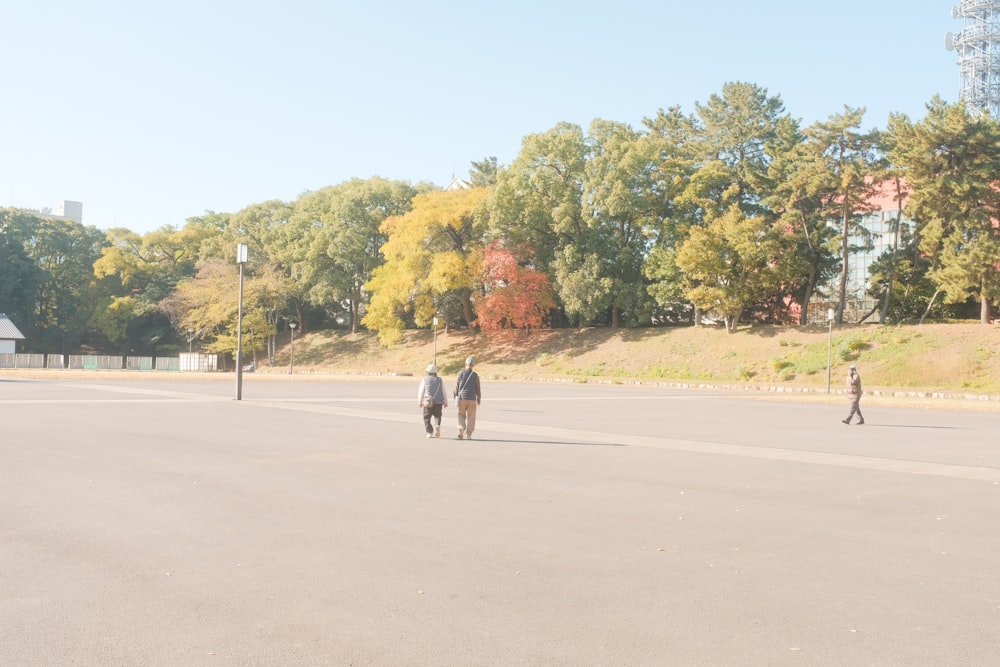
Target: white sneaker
[461,433]
[430,435]
[437,431]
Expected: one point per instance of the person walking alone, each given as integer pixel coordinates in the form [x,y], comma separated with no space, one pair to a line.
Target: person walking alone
[469,395]
[854,392]
[431,397]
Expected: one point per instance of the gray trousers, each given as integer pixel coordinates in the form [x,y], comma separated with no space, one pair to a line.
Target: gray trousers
[856,408]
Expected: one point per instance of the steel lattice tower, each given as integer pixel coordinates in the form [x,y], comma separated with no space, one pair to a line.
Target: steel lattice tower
[978,47]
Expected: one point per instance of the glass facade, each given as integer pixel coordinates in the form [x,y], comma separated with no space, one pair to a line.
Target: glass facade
[867,246]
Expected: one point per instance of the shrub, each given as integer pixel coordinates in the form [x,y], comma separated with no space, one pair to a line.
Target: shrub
[780,364]
[857,344]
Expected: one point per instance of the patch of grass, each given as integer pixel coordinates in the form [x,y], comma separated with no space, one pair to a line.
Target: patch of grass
[662,372]
[957,356]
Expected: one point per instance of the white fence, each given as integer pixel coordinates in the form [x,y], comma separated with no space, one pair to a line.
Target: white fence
[186,362]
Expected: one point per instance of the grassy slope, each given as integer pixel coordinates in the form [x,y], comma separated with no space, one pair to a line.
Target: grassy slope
[955,358]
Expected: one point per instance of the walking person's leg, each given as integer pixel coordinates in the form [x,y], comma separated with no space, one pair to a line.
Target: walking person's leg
[854,410]
[462,407]
[470,418]
[428,411]
[437,420]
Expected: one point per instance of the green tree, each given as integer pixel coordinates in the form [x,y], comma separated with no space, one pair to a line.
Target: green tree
[733,263]
[802,194]
[145,269]
[339,242]
[538,199]
[900,278]
[853,167]
[208,303]
[732,132]
[621,216]
[670,137]
[950,161]
[271,238]
[20,276]
[483,174]
[67,294]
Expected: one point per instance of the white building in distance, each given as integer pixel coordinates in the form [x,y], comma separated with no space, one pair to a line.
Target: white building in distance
[65,210]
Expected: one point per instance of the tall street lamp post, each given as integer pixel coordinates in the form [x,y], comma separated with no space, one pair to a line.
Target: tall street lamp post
[291,347]
[242,254]
[190,338]
[829,347]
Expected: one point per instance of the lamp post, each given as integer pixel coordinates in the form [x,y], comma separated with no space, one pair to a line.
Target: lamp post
[829,347]
[190,338]
[242,254]
[435,340]
[291,347]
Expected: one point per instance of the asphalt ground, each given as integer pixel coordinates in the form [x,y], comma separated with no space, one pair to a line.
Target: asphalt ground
[312,523]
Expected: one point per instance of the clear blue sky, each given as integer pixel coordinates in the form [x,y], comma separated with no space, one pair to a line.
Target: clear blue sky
[151,113]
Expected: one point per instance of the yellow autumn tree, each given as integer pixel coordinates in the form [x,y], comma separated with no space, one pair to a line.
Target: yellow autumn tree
[433,261]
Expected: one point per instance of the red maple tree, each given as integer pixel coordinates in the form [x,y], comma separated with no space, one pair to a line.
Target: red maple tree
[516,295]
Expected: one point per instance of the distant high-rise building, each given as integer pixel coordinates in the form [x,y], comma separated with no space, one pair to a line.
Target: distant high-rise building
[72,210]
[978,48]
[66,210]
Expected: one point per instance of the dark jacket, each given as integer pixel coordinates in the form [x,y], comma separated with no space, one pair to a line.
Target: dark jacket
[467,386]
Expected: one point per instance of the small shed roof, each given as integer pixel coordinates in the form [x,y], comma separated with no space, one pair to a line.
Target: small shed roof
[7,329]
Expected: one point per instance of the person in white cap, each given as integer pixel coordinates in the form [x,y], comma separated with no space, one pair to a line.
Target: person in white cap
[431,397]
[469,396]
[854,392]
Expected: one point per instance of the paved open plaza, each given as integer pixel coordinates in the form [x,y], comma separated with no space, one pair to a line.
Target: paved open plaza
[149,522]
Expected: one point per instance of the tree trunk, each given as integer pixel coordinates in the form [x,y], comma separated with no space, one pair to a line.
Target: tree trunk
[984,307]
[895,249]
[869,314]
[467,311]
[616,313]
[733,321]
[355,308]
[845,250]
[807,297]
[929,304]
